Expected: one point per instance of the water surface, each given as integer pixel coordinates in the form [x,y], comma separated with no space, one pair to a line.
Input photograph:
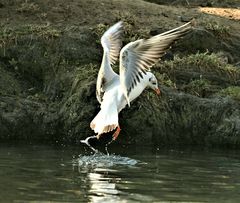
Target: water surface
[132,174]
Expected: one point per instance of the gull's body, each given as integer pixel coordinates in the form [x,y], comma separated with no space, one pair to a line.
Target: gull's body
[113,102]
[115,91]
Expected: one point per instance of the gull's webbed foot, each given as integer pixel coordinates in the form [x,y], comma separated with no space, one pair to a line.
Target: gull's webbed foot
[86,141]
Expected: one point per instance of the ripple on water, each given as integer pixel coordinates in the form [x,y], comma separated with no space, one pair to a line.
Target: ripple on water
[103,160]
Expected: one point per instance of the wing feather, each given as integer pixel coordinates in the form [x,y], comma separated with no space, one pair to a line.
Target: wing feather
[136,58]
[111,42]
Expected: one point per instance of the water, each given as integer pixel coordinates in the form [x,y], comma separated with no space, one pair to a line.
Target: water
[53,174]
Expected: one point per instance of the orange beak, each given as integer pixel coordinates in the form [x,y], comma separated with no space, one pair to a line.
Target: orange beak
[157,90]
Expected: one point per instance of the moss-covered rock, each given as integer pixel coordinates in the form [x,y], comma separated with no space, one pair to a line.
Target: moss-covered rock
[177,118]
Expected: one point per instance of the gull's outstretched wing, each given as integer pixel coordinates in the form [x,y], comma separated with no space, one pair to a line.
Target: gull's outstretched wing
[111,43]
[138,57]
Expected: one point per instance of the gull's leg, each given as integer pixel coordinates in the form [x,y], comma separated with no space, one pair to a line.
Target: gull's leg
[115,135]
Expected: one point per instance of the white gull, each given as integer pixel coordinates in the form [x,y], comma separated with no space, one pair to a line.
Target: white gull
[115,91]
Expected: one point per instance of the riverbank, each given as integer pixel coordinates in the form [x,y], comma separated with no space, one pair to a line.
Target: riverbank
[50,54]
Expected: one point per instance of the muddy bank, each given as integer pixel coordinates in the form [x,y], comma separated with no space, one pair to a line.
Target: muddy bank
[50,55]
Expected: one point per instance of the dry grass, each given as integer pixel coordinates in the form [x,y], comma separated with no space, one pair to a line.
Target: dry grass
[28,7]
[11,34]
[204,63]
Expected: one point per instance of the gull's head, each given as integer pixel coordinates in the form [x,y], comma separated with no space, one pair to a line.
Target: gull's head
[153,83]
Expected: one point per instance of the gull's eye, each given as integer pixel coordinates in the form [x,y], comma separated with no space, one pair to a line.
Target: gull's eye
[154,83]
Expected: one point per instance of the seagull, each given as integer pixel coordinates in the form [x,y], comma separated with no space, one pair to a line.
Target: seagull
[116,91]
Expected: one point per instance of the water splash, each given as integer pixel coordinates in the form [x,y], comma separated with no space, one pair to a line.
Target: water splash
[103,160]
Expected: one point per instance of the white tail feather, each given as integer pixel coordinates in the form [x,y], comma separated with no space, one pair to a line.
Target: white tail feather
[106,120]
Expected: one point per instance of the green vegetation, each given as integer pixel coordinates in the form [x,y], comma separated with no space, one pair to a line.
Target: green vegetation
[99,30]
[205,65]
[233,92]
[204,62]
[218,29]
[164,79]
[130,31]
[198,87]
[201,74]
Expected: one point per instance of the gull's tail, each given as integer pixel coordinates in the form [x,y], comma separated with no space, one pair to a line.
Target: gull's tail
[106,120]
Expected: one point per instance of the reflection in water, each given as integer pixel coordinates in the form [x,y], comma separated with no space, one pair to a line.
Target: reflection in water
[100,177]
[102,187]
[46,174]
